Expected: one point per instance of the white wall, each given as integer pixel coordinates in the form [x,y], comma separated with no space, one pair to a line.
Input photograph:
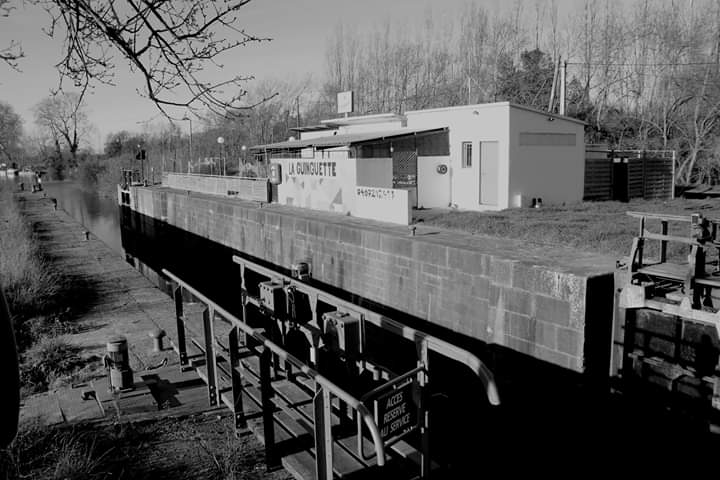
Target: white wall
[316,134]
[383,204]
[375,172]
[433,188]
[554,173]
[371,127]
[330,186]
[491,123]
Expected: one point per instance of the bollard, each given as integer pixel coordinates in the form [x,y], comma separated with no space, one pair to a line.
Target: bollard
[117,362]
[157,335]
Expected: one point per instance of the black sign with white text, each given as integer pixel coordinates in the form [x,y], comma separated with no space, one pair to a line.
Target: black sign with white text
[396,412]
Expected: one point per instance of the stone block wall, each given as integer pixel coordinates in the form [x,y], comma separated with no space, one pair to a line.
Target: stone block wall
[532,300]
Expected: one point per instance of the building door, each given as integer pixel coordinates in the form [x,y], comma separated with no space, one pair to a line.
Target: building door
[489,159]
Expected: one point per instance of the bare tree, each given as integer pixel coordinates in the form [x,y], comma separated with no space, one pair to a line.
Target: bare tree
[64,118]
[171,44]
[12,53]
[10,133]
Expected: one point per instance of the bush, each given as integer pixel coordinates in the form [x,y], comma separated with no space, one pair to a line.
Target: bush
[46,452]
[89,171]
[46,361]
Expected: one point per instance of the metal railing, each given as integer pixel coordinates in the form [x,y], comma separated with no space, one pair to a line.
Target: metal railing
[424,344]
[425,341]
[324,386]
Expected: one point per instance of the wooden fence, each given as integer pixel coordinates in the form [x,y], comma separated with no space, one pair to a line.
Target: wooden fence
[627,174]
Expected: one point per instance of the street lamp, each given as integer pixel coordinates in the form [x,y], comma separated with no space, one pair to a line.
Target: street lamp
[221,141]
[191,149]
[242,149]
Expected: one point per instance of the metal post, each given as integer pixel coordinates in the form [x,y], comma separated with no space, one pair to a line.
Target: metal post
[182,348]
[210,358]
[423,410]
[663,243]
[323,434]
[267,407]
[237,388]
[191,146]
[563,87]
[243,297]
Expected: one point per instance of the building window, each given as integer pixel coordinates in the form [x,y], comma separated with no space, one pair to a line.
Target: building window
[467,154]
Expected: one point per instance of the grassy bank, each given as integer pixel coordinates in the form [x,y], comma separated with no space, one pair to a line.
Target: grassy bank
[38,301]
[599,227]
[196,447]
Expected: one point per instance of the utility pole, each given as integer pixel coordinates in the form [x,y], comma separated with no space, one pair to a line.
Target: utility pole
[563,87]
[551,104]
[297,106]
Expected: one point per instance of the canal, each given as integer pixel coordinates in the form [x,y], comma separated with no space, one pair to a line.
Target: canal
[98,215]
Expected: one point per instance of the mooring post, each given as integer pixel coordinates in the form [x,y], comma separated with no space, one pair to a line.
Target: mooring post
[210,357]
[237,388]
[180,320]
[267,407]
[323,433]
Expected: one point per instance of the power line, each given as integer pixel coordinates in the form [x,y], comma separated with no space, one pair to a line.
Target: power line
[608,64]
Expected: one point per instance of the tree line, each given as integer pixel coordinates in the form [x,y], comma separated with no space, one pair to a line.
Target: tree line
[642,74]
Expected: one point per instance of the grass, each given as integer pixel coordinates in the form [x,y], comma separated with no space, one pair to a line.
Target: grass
[202,446]
[27,280]
[56,453]
[598,227]
[37,298]
[49,360]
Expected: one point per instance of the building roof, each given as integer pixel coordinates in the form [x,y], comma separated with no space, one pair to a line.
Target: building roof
[311,128]
[364,119]
[480,106]
[341,140]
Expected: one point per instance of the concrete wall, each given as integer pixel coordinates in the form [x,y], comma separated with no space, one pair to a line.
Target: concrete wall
[383,204]
[375,172]
[489,124]
[433,188]
[536,301]
[245,188]
[554,173]
[329,187]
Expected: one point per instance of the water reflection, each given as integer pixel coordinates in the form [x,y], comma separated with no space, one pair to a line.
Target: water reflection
[98,215]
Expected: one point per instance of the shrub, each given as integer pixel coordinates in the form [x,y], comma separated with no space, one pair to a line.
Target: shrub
[46,361]
[40,451]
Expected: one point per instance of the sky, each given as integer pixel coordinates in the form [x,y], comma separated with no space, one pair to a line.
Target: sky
[299,28]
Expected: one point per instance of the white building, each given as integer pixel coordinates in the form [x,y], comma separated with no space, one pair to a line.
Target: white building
[475,157]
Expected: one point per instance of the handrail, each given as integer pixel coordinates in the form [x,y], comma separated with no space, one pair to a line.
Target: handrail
[288,357]
[391,383]
[435,344]
[667,217]
[258,179]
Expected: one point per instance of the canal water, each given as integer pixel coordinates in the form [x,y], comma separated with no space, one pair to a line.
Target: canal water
[98,215]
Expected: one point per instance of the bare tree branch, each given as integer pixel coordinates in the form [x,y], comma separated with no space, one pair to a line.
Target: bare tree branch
[173,45]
